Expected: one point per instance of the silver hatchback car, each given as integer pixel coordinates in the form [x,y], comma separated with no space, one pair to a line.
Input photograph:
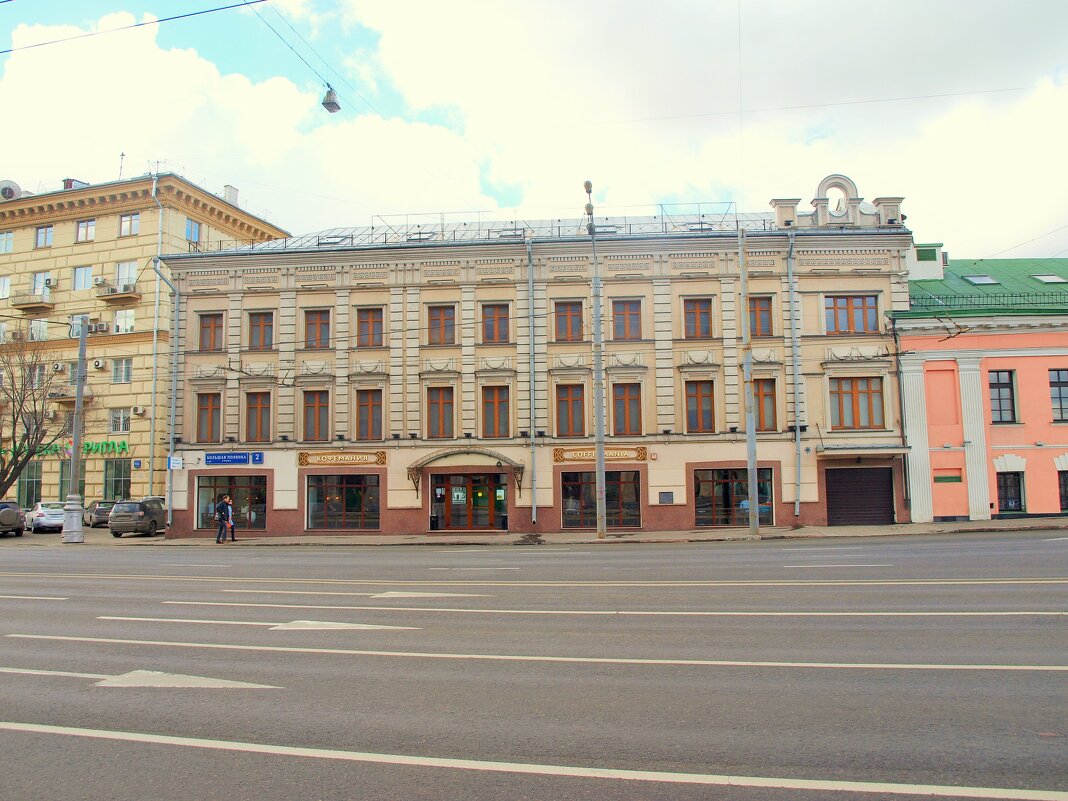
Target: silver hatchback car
[142,517]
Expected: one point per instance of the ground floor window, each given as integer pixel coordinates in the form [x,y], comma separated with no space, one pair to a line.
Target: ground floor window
[343,501]
[30,485]
[721,497]
[1062,480]
[1010,492]
[248,494]
[116,479]
[469,501]
[64,479]
[622,496]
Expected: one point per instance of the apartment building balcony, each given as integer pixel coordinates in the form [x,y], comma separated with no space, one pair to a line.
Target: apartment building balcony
[42,300]
[118,293]
[66,396]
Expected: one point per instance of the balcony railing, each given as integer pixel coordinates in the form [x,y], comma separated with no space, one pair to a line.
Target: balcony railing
[118,291]
[41,299]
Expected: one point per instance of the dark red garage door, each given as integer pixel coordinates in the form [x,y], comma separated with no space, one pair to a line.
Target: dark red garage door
[860,496]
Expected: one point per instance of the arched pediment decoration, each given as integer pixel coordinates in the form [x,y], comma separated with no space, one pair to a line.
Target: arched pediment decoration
[836,181]
[415,469]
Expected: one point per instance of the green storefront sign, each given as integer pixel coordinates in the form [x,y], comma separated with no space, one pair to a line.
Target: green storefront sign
[106,447]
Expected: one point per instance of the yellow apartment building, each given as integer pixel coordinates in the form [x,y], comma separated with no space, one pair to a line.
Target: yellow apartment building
[438,378]
[89,250]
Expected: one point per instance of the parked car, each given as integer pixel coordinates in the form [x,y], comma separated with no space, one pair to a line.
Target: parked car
[96,514]
[46,516]
[142,517]
[12,518]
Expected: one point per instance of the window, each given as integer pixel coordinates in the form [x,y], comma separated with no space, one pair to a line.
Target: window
[209,413]
[351,501]
[36,377]
[316,415]
[1058,390]
[7,241]
[211,331]
[439,412]
[1002,396]
[495,412]
[1010,493]
[317,329]
[72,373]
[368,414]
[258,416]
[981,280]
[119,422]
[700,418]
[130,224]
[29,491]
[760,317]
[626,319]
[83,278]
[3,332]
[38,330]
[622,493]
[85,231]
[122,371]
[64,479]
[570,413]
[856,403]
[43,237]
[441,329]
[248,493]
[698,318]
[125,272]
[124,321]
[192,230]
[369,328]
[626,409]
[721,497]
[40,283]
[5,286]
[764,401]
[117,478]
[495,323]
[261,331]
[568,321]
[851,314]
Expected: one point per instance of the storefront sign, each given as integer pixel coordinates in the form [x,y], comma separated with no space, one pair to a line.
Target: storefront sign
[175,463]
[64,447]
[341,458]
[610,454]
[459,495]
[226,457]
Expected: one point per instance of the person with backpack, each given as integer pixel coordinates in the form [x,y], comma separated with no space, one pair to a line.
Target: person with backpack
[224,516]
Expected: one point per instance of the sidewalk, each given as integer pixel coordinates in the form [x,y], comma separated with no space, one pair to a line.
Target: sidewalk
[101,536]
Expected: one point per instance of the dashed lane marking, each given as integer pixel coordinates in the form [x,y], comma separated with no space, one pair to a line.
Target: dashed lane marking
[292,625]
[365,594]
[592,660]
[34,597]
[528,768]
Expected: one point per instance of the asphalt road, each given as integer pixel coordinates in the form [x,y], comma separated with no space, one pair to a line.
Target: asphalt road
[878,668]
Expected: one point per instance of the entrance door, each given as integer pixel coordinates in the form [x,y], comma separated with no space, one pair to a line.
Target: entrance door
[1010,493]
[469,501]
[860,496]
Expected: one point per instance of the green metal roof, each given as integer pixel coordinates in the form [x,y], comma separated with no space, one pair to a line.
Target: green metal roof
[1014,290]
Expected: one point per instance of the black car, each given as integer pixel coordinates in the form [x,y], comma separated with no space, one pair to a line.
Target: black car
[143,517]
[12,518]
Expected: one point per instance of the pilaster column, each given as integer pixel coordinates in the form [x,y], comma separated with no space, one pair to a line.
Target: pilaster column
[972,392]
[914,398]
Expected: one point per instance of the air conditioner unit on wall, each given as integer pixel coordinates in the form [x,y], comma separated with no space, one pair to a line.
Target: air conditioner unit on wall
[58,367]
[138,410]
[49,283]
[100,281]
[99,364]
[50,414]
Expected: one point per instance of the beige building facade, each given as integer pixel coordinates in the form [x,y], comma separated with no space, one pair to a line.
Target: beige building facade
[89,250]
[439,379]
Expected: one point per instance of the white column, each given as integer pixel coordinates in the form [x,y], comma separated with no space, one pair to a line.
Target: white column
[972,392]
[914,399]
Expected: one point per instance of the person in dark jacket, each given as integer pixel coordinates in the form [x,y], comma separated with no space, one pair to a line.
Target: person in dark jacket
[224,516]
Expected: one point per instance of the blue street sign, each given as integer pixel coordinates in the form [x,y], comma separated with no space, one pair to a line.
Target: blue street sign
[257,457]
[137,464]
[227,457]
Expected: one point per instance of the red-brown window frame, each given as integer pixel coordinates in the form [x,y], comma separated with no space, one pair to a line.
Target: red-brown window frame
[627,409]
[851,304]
[261,327]
[626,319]
[570,410]
[697,318]
[495,323]
[209,417]
[441,325]
[316,415]
[258,416]
[368,414]
[440,410]
[495,412]
[760,322]
[847,391]
[369,328]
[211,331]
[568,315]
[317,329]
[764,390]
[699,393]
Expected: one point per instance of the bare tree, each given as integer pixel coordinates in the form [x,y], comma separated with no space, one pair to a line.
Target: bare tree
[32,422]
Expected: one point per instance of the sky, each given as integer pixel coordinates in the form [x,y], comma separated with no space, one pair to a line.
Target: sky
[502,108]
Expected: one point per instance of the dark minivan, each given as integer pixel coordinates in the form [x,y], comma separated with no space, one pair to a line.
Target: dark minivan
[142,517]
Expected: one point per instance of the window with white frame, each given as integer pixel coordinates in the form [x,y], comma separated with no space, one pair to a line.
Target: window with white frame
[3,332]
[41,282]
[5,286]
[130,224]
[83,278]
[43,237]
[121,371]
[124,321]
[85,231]
[38,330]
[120,421]
[192,230]
[72,373]
[36,376]
[125,272]
[7,241]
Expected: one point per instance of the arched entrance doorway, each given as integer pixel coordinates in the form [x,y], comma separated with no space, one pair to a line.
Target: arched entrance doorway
[467,489]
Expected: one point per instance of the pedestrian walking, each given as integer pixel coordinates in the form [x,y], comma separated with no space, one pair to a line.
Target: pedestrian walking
[224,516]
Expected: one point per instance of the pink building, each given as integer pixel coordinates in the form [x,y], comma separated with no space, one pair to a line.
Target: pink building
[984,369]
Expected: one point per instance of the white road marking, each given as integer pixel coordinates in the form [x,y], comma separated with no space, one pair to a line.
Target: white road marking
[34,597]
[1056,539]
[602,773]
[627,612]
[366,594]
[188,564]
[834,565]
[428,595]
[591,660]
[936,582]
[546,550]
[827,548]
[145,678]
[473,568]
[292,625]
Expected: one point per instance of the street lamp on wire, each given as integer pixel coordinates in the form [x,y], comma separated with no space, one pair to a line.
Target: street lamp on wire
[598,369]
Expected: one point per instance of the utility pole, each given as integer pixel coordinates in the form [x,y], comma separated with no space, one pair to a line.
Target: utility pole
[598,372]
[753,496]
[72,510]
